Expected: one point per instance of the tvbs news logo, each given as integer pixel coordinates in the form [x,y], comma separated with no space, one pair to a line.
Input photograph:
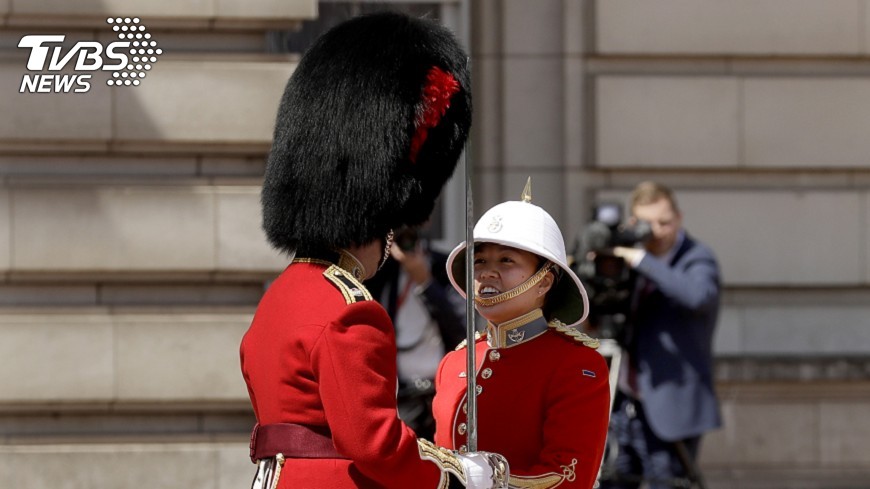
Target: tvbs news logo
[128,59]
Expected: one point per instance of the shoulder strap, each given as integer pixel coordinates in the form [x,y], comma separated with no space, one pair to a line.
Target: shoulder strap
[351,288]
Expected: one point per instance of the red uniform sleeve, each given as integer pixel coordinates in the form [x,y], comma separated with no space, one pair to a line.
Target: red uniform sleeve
[575,427]
[435,411]
[355,364]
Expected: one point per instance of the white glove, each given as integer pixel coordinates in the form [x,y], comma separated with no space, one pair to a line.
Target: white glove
[484,470]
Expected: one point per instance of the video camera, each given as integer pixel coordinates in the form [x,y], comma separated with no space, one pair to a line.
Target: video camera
[406,238]
[609,281]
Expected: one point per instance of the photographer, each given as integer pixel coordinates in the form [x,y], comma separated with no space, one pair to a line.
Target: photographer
[666,398]
[429,321]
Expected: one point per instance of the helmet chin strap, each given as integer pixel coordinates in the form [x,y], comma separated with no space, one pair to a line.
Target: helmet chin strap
[519,289]
[387,246]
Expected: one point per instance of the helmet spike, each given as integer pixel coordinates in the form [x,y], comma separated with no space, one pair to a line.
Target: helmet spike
[527,192]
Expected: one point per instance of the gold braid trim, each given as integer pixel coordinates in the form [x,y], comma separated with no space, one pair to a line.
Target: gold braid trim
[351,288]
[317,261]
[350,263]
[545,481]
[573,333]
[521,320]
[539,482]
[519,289]
[444,459]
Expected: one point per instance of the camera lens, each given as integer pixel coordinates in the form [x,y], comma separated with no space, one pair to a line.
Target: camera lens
[406,239]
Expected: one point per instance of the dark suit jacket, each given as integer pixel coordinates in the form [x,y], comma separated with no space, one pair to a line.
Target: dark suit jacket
[673,342]
[436,297]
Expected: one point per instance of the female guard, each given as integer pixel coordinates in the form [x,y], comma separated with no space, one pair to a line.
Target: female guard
[542,389]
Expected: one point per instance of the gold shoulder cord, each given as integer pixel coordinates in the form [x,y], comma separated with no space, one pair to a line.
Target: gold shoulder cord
[573,333]
[545,481]
[444,459]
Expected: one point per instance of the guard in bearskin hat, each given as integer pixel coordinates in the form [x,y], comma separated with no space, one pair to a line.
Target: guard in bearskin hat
[369,129]
[531,360]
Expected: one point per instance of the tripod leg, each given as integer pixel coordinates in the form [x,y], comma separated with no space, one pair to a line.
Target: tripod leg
[692,471]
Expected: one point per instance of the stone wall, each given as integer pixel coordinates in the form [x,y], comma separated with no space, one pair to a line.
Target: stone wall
[131,255]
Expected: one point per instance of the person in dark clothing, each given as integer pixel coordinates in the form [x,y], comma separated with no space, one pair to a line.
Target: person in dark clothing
[429,321]
[666,399]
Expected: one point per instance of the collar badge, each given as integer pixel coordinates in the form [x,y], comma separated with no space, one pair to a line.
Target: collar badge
[516,335]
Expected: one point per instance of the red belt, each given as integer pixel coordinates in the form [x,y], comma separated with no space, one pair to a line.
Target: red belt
[291,440]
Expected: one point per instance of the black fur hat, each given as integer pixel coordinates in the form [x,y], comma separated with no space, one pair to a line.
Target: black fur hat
[369,129]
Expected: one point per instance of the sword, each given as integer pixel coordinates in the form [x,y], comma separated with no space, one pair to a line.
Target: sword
[268,472]
[470,330]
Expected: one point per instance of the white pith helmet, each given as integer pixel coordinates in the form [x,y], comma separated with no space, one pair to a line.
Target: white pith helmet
[523,225]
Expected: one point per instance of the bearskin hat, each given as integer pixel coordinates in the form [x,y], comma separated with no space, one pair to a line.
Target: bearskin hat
[370,128]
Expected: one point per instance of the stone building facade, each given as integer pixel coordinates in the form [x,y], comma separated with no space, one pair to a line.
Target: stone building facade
[131,257]
[130,251]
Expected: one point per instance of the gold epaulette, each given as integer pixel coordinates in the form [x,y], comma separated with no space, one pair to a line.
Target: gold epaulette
[462,344]
[352,289]
[573,333]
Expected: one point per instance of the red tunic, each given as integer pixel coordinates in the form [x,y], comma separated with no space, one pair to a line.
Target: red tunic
[543,403]
[313,356]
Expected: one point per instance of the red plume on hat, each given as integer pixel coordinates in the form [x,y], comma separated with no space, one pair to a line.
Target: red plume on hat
[369,130]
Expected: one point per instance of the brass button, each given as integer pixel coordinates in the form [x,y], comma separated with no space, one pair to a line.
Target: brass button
[487,373]
[463,448]
[463,428]
[494,355]
[479,389]
[465,408]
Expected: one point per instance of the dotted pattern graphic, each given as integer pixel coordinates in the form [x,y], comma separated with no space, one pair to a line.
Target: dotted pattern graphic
[143,51]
